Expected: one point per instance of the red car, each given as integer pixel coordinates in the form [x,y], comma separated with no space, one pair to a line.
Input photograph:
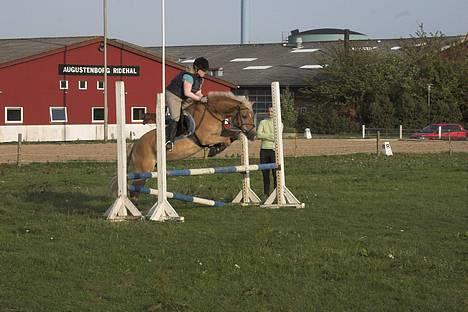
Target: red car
[431,132]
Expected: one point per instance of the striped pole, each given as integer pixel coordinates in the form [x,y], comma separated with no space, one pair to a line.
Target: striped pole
[178,196]
[203,171]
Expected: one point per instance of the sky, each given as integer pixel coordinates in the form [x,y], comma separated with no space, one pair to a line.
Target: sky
[218,21]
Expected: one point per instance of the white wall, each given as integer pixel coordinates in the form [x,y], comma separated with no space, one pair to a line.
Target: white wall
[53,133]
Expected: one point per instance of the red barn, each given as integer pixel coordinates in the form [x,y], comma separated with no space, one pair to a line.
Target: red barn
[51,89]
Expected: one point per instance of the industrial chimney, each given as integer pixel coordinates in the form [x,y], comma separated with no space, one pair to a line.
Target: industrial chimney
[245,21]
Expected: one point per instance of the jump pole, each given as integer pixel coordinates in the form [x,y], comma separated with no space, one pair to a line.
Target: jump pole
[281,195]
[177,196]
[122,207]
[201,171]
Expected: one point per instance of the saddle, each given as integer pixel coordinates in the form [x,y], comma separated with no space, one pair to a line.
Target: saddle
[186,129]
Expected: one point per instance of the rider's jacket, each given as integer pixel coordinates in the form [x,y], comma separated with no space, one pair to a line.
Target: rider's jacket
[177,84]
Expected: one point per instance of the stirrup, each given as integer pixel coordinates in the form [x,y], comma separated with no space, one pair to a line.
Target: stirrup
[169,146]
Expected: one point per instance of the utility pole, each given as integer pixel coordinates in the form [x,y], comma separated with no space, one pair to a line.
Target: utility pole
[106,121]
[429,99]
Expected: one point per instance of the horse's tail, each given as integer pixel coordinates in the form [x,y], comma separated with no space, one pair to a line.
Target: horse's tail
[113,184]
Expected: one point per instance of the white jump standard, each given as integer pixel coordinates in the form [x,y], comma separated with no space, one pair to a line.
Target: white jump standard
[122,207]
[281,195]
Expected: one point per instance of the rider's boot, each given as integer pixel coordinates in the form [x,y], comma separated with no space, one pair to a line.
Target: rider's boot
[171,131]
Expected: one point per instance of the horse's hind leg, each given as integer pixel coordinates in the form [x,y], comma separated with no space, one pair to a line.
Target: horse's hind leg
[143,160]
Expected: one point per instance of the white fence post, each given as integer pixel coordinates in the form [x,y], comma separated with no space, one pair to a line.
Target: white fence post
[440,132]
[401,132]
[363,131]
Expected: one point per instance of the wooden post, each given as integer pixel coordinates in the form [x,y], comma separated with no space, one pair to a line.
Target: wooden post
[450,145]
[295,145]
[18,152]
[378,143]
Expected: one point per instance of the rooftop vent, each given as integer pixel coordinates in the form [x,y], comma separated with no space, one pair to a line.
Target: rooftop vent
[258,67]
[299,42]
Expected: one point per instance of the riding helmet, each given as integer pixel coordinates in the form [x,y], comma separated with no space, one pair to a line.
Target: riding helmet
[201,63]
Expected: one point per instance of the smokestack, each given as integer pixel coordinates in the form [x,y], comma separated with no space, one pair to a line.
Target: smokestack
[244,21]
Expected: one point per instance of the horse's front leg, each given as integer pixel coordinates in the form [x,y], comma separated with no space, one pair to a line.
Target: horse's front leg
[219,147]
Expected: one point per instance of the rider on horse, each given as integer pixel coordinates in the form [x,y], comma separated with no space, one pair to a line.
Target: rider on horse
[186,85]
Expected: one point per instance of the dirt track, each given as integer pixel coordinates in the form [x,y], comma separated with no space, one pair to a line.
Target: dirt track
[300,147]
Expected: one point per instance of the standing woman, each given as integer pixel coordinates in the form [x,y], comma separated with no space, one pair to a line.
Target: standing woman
[186,85]
[266,133]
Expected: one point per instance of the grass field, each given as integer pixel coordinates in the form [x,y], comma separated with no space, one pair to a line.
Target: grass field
[377,234]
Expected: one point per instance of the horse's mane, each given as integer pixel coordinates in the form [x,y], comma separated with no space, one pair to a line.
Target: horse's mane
[229,95]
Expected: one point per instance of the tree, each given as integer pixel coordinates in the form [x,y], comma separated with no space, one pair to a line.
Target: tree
[288,111]
[383,90]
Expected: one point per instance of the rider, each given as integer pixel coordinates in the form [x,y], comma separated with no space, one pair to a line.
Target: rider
[186,85]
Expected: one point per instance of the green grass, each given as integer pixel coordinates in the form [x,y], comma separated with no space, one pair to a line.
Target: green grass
[377,234]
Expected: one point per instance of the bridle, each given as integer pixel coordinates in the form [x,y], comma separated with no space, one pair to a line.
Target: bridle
[237,121]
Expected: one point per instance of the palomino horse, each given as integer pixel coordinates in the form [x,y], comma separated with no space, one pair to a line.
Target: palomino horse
[209,120]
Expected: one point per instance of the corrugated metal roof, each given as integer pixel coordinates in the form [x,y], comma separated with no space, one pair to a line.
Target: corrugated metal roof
[285,65]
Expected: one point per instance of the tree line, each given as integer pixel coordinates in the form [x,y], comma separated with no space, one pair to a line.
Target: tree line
[425,82]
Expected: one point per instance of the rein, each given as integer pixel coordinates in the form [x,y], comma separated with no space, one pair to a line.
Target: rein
[236,117]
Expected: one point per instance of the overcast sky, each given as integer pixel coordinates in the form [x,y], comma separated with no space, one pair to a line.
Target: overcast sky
[218,21]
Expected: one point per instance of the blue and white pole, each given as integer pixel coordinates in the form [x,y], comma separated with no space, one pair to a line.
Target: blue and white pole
[203,171]
[178,196]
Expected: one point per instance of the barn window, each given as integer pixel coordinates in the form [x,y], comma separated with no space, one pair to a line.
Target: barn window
[63,84]
[97,114]
[82,85]
[58,114]
[100,85]
[13,115]
[138,113]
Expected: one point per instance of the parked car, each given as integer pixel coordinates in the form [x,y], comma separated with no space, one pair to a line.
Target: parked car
[431,132]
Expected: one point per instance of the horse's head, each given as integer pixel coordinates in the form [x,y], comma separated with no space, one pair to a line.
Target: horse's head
[149,118]
[238,108]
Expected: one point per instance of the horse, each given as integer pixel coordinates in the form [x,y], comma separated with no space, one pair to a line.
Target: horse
[209,120]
